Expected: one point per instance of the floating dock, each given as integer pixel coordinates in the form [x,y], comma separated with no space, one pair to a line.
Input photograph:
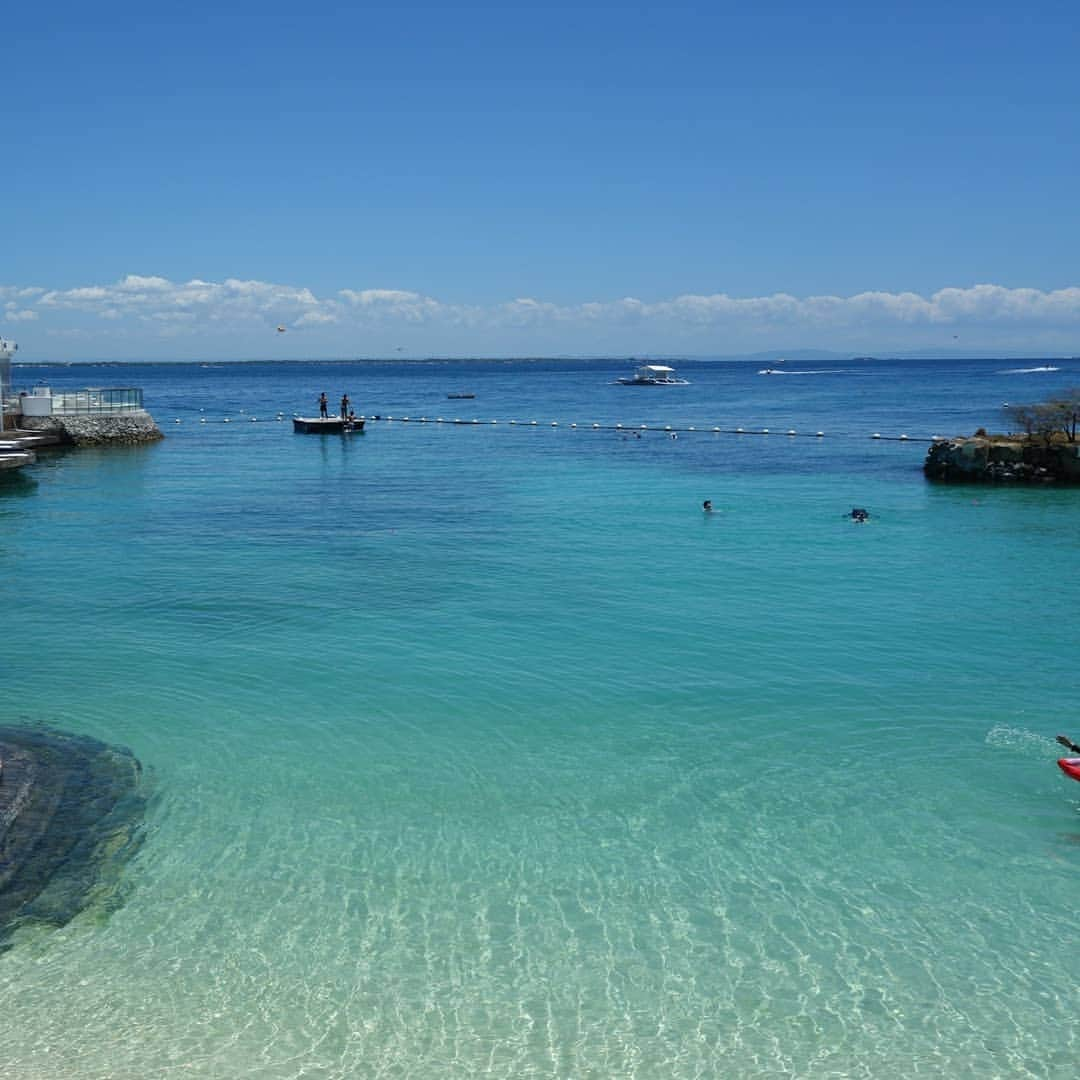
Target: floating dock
[325,425]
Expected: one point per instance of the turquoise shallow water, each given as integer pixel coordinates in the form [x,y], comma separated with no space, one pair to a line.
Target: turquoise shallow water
[482,751]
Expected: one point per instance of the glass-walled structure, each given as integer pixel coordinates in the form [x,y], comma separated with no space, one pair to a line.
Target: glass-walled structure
[97,400]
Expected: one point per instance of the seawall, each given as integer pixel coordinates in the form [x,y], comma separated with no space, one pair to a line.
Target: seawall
[131,427]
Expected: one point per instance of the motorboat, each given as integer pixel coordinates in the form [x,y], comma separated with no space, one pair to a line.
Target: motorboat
[653,375]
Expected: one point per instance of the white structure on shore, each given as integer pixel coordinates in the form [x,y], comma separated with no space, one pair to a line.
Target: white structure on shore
[7,351]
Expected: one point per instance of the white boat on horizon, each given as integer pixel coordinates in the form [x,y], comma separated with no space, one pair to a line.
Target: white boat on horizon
[653,375]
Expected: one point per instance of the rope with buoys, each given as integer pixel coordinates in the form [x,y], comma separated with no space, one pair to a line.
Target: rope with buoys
[637,429]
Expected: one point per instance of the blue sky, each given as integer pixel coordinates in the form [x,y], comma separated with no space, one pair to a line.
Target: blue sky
[588,178]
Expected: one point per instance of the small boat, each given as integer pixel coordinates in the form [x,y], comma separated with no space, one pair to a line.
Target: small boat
[325,425]
[653,375]
[1070,766]
[460,396]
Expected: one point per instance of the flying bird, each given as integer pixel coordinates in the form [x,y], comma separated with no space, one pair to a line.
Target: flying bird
[281,329]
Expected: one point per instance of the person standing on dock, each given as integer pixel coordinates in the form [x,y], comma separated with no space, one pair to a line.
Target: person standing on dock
[344,406]
[322,405]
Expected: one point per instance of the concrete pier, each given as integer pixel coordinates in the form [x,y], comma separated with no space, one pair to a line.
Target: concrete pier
[17,447]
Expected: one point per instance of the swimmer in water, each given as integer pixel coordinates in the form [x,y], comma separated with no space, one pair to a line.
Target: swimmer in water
[859,515]
[707,506]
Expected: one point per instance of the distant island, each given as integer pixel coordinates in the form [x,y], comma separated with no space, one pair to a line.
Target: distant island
[1043,451]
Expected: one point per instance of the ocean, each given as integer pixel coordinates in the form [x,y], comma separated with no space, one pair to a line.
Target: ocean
[478,749]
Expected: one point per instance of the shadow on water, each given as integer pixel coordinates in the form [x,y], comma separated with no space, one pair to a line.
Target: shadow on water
[71,814]
[16,483]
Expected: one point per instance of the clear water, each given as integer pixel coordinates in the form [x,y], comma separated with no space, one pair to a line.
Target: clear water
[480,750]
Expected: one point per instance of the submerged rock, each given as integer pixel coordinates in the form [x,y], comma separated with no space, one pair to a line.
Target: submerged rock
[71,812]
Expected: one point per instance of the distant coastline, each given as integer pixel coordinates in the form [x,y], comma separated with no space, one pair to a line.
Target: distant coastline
[793,356]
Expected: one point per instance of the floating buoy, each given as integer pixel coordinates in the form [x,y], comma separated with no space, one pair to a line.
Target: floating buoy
[532,423]
[791,431]
[903,438]
[254,419]
[738,431]
[618,426]
[513,421]
[226,420]
[595,426]
[691,428]
[667,427]
[819,434]
[876,435]
[554,423]
[764,431]
[177,420]
[717,430]
[202,420]
[573,425]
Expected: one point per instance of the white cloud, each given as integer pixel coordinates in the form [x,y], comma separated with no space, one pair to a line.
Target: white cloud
[316,318]
[394,304]
[719,321]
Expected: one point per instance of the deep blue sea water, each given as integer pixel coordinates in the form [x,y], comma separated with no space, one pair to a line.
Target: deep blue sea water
[479,750]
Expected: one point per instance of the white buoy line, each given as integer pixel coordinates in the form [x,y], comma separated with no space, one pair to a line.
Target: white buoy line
[666,429]
[620,427]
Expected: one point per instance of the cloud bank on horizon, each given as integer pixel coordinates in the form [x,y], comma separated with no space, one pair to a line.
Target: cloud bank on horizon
[154,316]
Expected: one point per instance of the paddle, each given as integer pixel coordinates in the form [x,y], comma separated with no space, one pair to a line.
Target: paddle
[1068,745]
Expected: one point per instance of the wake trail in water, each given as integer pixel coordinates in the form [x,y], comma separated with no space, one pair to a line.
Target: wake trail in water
[1029,743]
[820,371]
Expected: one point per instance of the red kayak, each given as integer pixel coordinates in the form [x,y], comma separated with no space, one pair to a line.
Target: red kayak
[1070,766]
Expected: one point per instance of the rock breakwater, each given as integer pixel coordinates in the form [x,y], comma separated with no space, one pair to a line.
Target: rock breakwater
[130,428]
[993,460]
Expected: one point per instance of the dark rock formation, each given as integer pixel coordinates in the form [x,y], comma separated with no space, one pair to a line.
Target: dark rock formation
[71,810]
[979,460]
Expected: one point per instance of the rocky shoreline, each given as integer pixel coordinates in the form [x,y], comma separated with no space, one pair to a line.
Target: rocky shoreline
[125,428]
[995,460]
